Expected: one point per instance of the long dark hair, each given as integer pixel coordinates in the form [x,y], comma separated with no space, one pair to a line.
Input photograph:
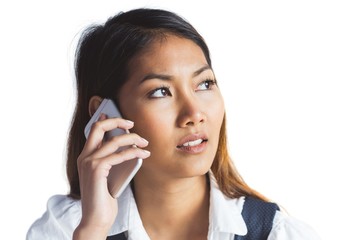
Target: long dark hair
[101,68]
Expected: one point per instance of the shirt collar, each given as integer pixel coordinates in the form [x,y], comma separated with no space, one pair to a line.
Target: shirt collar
[224,214]
[128,218]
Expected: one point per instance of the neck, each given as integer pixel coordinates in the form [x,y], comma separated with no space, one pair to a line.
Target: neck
[182,205]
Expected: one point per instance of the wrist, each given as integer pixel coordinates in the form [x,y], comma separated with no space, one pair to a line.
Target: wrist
[90,233]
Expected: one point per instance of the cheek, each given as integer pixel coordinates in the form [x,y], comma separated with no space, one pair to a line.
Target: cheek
[153,125]
[216,113]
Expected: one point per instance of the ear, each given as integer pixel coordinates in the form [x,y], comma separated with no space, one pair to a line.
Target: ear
[94,103]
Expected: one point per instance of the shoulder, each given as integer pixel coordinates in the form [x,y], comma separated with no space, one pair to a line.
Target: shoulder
[61,217]
[288,227]
[258,216]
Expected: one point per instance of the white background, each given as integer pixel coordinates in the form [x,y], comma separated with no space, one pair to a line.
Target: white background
[289,72]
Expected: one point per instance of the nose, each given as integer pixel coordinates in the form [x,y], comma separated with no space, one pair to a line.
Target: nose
[190,113]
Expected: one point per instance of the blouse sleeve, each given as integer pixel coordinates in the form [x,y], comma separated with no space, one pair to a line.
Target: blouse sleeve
[286,227]
[62,216]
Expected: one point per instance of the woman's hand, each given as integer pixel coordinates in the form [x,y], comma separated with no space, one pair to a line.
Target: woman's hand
[99,208]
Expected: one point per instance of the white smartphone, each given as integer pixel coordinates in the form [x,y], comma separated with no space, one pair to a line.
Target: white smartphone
[120,175]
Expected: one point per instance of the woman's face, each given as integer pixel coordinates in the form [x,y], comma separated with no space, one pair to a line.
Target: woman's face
[172,97]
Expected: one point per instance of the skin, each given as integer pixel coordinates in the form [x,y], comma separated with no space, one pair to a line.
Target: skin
[171,96]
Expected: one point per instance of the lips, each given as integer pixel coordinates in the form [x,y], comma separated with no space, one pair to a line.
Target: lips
[193,143]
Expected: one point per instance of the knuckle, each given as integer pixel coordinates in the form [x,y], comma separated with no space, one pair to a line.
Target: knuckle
[92,164]
[114,139]
[134,135]
[88,164]
[96,125]
[134,153]
[131,153]
[121,139]
[134,138]
[124,154]
[80,160]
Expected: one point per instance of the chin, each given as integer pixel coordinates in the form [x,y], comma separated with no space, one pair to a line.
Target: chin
[195,170]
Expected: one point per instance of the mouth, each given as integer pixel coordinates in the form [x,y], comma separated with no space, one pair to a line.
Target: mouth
[194,143]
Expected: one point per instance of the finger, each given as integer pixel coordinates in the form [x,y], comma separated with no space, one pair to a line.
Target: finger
[102,117]
[99,128]
[122,141]
[126,155]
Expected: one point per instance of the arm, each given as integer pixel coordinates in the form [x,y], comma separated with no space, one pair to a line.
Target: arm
[286,227]
[85,233]
[99,208]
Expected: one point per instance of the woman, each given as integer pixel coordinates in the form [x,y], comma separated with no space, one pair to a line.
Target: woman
[157,69]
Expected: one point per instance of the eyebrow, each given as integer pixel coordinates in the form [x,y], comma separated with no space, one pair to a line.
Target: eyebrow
[169,77]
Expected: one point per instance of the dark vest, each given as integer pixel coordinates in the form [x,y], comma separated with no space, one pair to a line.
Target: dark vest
[258,216]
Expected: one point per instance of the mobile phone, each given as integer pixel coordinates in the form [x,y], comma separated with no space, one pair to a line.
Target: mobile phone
[120,175]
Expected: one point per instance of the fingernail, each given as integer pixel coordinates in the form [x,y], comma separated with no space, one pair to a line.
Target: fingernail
[130,122]
[146,152]
[102,116]
[144,140]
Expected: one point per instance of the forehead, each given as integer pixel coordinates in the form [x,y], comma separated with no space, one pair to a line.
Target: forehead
[168,54]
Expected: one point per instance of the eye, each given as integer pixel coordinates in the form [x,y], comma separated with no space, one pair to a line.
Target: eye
[160,92]
[206,85]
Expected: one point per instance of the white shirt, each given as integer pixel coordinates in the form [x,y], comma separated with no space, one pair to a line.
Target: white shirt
[63,214]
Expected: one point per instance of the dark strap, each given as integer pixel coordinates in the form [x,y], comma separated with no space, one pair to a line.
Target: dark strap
[258,216]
